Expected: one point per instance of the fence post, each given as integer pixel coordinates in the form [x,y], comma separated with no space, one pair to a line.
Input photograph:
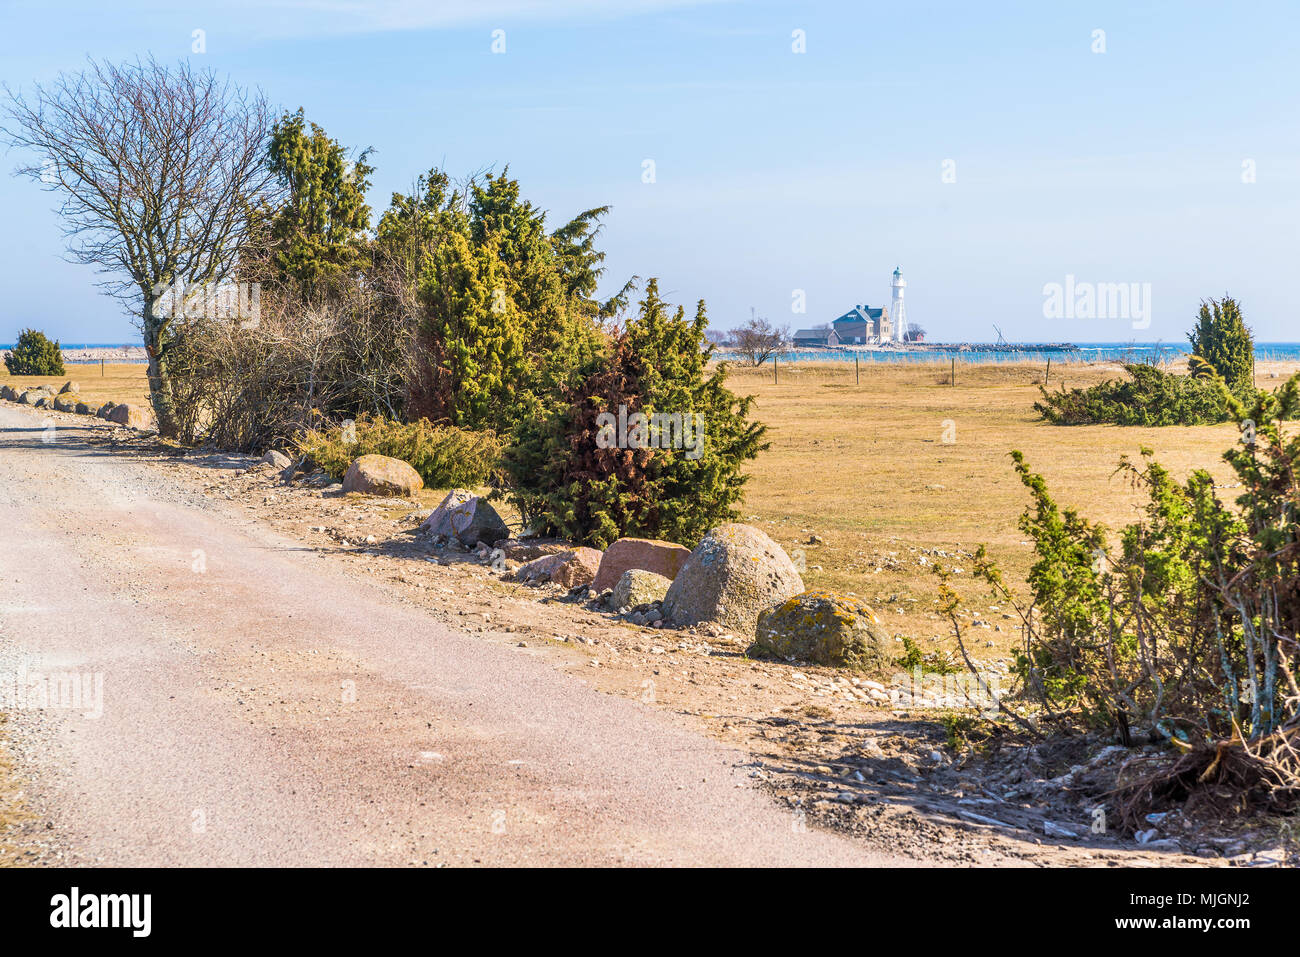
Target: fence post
[774,368]
[1047,376]
[856,380]
[954,372]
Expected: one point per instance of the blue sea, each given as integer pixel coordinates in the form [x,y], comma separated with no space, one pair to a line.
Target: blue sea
[1083,352]
[970,352]
[73,346]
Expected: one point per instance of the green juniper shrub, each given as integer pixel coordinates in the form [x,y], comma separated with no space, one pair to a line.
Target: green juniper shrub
[1222,350]
[1150,396]
[34,354]
[1187,628]
[582,468]
[1224,346]
[446,456]
[933,663]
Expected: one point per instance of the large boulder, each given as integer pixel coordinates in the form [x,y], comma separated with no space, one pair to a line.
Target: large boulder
[65,402]
[637,587]
[647,554]
[7,393]
[577,566]
[381,475]
[735,573]
[824,628]
[466,517]
[131,416]
[69,386]
[106,410]
[33,396]
[83,409]
[277,459]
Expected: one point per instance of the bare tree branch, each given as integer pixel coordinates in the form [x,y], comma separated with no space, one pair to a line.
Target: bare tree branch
[159,169]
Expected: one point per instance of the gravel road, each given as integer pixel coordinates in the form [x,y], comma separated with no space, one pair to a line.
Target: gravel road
[261,707]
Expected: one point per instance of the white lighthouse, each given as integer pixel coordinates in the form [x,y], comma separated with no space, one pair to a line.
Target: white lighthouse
[896,311]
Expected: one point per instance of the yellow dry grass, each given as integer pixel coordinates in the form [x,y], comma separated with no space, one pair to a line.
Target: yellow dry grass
[120,382]
[864,466]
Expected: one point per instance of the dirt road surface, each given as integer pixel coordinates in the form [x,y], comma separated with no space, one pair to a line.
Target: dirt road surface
[261,707]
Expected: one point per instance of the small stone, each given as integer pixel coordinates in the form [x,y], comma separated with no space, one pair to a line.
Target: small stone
[277,459]
[1052,829]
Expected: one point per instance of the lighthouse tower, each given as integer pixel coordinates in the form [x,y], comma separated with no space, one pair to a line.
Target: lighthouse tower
[896,286]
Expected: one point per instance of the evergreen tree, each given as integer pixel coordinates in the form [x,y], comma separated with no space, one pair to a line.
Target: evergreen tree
[318,232]
[695,493]
[1222,342]
[474,334]
[570,476]
[579,259]
[493,286]
[413,225]
[34,354]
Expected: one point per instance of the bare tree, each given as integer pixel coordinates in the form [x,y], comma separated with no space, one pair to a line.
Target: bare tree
[758,340]
[160,170]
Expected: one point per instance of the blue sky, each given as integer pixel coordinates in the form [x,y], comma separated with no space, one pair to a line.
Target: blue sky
[775,171]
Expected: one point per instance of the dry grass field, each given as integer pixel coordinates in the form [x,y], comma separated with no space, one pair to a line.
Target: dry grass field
[865,468]
[121,382]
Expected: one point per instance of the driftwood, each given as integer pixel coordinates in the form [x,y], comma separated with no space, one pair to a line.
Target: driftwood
[1229,776]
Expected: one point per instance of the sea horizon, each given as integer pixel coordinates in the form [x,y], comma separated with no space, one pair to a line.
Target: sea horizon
[979,352]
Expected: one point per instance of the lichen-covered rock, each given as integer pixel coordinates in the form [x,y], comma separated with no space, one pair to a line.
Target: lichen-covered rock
[577,566]
[105,410]
[34,396]
[7,392]
[824,628]
[69,386]
[65,403]
[733,574]
[381,475]
[83,409]
[647,554]
[467,518]
[637,587]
